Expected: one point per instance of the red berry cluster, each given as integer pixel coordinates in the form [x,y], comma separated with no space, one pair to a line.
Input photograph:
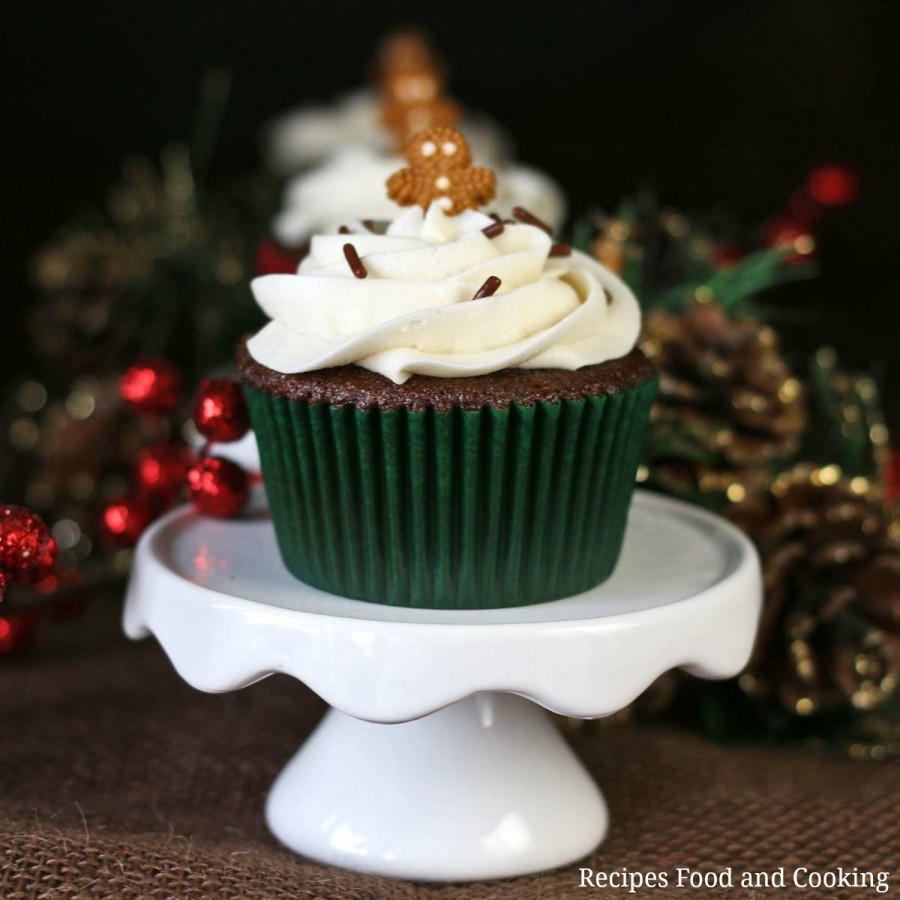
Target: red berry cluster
[218,486]
[166,470]
[27,552]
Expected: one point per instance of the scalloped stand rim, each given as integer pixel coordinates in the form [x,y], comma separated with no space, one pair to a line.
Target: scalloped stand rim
[475,782]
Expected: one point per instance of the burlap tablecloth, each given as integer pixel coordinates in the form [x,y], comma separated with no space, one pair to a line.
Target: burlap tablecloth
[117,780]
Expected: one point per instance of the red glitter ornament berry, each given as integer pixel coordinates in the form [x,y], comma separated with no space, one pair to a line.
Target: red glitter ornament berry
[833,185]
[218,487]
[125,519]
[24,540]
[44,568]
[2,586]
[151,386]
[162,468]
[220,410]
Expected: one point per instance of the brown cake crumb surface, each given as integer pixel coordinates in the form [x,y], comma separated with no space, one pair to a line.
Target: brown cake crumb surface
[356,386]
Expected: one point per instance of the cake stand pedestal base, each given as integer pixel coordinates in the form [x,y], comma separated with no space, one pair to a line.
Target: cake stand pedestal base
[436,761]
[489,777]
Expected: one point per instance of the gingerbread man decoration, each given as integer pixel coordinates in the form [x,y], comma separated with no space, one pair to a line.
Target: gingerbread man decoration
[440,170]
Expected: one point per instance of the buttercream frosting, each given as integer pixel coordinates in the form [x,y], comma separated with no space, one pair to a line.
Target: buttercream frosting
[414,312]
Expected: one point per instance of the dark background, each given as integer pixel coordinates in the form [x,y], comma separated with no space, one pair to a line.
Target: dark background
[713,103]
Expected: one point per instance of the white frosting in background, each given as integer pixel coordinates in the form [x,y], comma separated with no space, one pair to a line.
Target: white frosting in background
[351,186]
[309,134]
[414,313]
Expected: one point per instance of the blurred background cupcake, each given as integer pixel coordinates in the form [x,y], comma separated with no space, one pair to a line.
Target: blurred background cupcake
[346,151]
[407,93]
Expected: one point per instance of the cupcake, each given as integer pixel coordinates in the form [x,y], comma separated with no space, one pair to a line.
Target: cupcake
[406,97]
[450,413]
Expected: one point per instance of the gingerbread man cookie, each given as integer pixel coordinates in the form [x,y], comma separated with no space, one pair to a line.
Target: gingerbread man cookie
[440,169]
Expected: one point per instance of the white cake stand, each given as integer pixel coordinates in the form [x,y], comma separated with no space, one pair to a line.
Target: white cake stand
[477,783]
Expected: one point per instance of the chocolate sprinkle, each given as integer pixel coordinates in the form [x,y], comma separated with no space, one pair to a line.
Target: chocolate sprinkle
[492,231]
[368,223]
[353,260]
[343,230]
[530,219]
[560,250]
[489,288]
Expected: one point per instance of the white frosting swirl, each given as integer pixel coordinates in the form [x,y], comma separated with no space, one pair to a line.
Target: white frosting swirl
[414,313]
[308,134]
[350,186]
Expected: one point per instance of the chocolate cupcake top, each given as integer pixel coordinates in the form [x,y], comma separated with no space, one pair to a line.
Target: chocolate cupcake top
[446,291]
[362,389]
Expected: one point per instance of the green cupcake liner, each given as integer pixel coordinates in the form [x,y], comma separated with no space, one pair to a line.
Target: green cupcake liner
[452,510]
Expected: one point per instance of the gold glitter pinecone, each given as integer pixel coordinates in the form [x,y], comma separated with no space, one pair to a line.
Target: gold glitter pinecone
[728,409]
[829,637]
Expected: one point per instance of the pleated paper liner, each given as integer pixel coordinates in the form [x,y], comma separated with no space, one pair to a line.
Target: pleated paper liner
[456,509]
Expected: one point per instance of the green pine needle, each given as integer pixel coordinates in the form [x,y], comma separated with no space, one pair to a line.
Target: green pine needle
[736,286]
